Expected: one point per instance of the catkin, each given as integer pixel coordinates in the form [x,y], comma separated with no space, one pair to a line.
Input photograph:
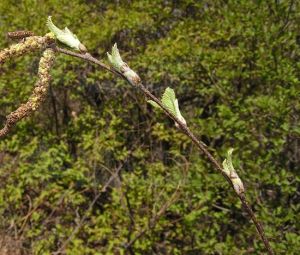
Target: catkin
[38,95]
[30,44]
[17,35]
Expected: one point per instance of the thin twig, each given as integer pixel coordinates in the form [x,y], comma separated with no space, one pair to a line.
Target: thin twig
[200,145]
[80,224]
[88,57]
[155,218]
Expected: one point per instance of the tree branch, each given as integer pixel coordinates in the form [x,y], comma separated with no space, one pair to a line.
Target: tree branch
[200,145]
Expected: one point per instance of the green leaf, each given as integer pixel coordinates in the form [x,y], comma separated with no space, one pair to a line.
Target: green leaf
[169,101]
[115,58]
[232,174]
[154,104]
[65,36]
[227,163]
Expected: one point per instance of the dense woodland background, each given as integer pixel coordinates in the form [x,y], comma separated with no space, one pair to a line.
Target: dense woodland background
[235,68]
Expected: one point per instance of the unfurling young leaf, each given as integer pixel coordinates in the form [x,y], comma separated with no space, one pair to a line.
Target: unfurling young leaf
[116,61]
[227,163]
[170,101]
[115,58]
[229,170]
[66,36]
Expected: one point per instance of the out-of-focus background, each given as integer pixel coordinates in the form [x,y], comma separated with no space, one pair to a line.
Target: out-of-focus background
[235,68]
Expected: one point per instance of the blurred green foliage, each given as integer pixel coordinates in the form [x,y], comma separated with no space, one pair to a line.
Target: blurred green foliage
[235,68]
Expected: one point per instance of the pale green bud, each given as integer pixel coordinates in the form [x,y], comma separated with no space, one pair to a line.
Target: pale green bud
[66,36]
[170,101]
[117,63]
[229,170]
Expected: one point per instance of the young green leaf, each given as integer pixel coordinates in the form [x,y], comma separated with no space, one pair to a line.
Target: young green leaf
[117,63]
[232,174]
[227,163]
[115,58]
[66,36]
[170,101]
[154,104]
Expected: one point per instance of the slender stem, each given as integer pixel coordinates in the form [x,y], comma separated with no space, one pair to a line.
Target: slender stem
[257,224]
[201,146]
[88,57]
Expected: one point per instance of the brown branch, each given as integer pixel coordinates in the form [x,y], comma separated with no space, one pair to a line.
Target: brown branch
[200,145]
[89,58]
[257,223]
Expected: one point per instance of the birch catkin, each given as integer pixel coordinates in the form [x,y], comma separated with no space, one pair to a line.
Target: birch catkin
[30,44]
[38,95]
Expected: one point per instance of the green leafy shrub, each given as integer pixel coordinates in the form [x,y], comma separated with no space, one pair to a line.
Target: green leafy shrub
[235,70]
